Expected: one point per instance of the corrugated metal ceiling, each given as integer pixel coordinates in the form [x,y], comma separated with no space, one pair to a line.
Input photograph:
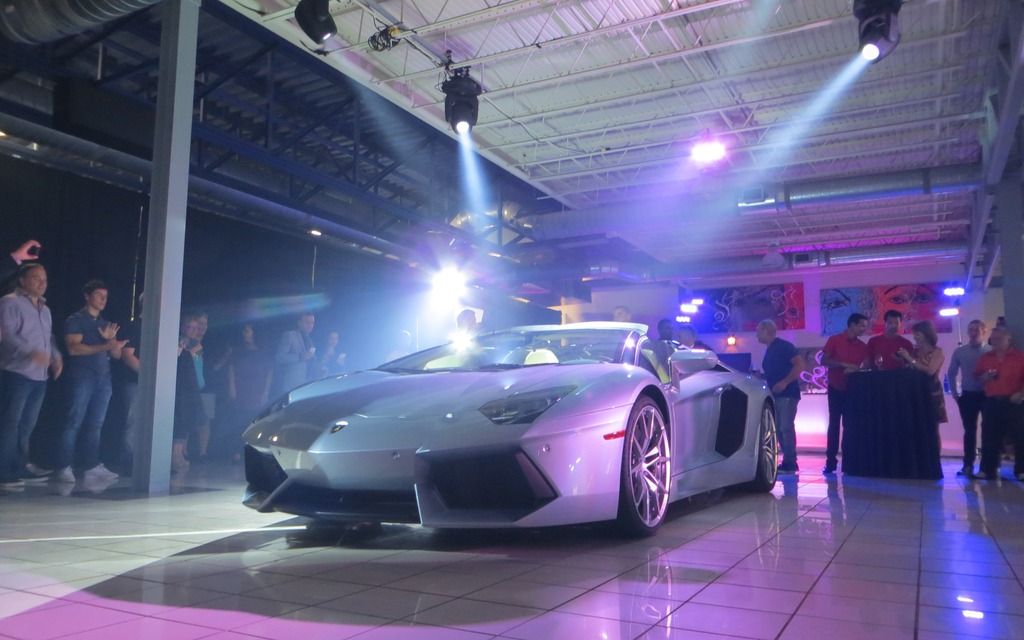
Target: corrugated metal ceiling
[595,104]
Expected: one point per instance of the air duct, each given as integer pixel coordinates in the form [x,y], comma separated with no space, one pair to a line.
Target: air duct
[746,265]
[656,214]
[951,179]
[42,21]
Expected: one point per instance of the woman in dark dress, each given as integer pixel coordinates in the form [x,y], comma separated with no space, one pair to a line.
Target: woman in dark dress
[189,414]
[928,358]
[249,374]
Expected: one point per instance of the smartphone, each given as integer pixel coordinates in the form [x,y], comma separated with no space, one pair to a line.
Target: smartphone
[33,251]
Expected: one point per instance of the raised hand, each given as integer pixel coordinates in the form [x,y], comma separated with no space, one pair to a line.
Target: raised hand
[27,251]
[109,332]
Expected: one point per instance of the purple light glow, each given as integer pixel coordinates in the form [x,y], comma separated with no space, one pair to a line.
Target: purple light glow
[707,151]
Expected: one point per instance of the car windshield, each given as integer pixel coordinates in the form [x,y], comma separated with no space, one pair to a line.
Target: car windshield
[522,347]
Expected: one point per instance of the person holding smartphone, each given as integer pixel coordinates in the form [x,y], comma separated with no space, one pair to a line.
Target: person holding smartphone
[27,252]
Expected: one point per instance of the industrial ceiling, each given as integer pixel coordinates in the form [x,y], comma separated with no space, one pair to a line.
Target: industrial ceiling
[588,113]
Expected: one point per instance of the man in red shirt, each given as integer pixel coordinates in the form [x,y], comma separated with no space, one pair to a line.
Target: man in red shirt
[882,349]
[1001,370]
[843,353]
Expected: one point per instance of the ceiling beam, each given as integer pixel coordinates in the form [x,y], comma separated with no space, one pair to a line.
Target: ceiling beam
[1005,104]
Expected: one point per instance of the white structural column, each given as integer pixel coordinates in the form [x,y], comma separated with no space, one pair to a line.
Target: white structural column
[165,245]
[1010,223]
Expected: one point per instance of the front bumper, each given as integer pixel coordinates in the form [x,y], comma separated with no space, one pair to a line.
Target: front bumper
[492,489]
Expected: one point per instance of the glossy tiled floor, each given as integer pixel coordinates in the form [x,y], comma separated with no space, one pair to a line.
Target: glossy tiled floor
[846,558]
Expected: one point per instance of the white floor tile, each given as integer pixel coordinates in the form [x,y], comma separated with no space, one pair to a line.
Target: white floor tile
[842,558]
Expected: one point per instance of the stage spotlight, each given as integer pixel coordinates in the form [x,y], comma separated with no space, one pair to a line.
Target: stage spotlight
[384,40]
[449,286]
[461,103]
[707,151]
[878,27]
[314,18]
[953,292]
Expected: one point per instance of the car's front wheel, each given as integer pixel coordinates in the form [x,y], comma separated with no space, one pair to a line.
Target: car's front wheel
[767,453]
[646,470]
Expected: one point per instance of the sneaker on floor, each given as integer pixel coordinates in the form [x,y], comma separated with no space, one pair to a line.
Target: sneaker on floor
[33,473]
[788,469]
[100,471]
[37,470]
[13,484]
[967,472]
[64,475]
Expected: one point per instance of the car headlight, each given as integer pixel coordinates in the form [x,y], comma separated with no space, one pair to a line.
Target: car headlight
[524,408]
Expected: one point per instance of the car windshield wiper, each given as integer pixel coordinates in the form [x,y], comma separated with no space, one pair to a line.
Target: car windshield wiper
[496,366]
[401,370]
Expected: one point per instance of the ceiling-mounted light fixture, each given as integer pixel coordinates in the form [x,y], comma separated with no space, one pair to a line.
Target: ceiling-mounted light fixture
[774,258]
[384,39]
[707,150]
[878,27]
[314,18]
[461,98]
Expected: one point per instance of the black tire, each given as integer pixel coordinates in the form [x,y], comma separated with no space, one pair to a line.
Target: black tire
[767,453]
[646,474]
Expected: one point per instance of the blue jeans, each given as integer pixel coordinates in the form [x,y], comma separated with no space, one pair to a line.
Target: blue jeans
[20,401]
[785,422]
[86,411]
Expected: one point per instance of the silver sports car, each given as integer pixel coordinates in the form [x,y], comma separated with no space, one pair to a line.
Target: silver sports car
[525,427]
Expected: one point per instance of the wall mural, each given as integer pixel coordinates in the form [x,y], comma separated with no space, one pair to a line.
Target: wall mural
[741,308]
[915,301]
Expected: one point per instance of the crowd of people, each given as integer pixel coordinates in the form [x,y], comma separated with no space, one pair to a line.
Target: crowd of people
[986,380]
[98,362]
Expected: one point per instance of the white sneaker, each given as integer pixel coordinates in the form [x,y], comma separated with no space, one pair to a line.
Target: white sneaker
[64,475]
[99,471]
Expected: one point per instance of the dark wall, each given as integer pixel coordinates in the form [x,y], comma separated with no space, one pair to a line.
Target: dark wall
[235,271]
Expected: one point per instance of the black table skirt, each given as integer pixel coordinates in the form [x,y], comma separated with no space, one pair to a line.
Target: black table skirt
[890,429]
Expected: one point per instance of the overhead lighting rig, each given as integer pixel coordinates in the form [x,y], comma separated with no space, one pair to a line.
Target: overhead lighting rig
[315,20]
[461,97]
[384,40]
[878,27]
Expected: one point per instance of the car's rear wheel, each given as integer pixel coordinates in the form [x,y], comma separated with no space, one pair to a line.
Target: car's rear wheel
[767,453]
[646,470]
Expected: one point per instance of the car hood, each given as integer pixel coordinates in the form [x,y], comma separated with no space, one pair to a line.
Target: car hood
[383,394]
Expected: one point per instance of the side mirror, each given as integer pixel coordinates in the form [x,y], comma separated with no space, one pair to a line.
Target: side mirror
[686,362]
